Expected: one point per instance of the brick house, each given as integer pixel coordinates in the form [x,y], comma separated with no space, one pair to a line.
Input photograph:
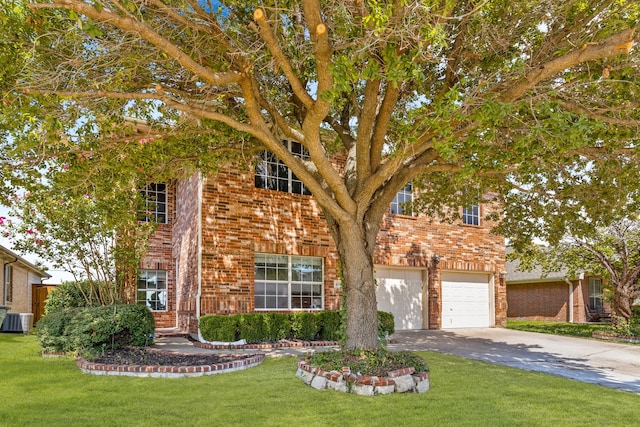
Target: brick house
[255,240]
[21,290]
[553,297]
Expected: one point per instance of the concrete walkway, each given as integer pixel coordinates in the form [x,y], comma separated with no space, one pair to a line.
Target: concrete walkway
[604,363]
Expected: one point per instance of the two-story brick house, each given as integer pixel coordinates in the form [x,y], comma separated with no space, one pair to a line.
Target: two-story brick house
[243,241]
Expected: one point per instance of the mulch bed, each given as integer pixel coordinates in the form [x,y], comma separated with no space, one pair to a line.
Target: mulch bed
[143,356]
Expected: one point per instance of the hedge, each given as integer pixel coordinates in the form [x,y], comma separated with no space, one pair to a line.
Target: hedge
[93,330]
[270,327]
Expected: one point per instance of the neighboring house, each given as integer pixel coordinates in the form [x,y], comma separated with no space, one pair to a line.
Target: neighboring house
[244,241]
[21,287]
[531,295]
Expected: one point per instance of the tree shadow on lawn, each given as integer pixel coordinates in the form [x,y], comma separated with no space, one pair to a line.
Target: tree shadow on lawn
[520,356]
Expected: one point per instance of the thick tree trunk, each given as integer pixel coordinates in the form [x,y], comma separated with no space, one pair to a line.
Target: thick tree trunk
[622,305]
[356,257]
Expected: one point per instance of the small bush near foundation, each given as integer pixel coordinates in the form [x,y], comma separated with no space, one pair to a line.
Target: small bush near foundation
[252,327]
[304,326]
[386,324]
[331,328]
[378,362]
[219,328]
[269,327]
[91,330]
[278,326]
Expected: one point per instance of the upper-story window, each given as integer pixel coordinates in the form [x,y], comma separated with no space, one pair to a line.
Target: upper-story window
[155,203]
[403,202]
[471,215]
[272,174]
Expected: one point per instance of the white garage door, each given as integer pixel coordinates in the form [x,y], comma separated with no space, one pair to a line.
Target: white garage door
[465,300]
[399,291]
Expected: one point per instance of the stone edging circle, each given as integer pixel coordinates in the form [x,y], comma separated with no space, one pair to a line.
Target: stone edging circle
[400,381]
[159,371]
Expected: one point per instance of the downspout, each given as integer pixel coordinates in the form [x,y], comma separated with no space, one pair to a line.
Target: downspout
[570,283]
[199,249]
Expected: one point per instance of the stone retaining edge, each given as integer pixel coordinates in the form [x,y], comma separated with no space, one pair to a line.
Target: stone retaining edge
[401,381]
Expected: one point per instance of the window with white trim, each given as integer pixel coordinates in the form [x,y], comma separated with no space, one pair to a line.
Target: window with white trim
[152,289]
[595,293]
[471,215]
[272,174]
[154,198]
[287,282]
[402,203]
[8,282]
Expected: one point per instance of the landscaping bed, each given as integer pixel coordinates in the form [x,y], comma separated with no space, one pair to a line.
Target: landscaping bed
[147,362]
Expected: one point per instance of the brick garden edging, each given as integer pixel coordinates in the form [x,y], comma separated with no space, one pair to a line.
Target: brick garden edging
[613,337]
[400,381]
[156,371]
[265,346]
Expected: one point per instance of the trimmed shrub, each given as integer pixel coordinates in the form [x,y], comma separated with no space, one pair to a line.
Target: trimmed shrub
[219,328]
[91,330]
[278,326]
[330,324]
[252,327]
[51,329]
[67,295]
[304,326]
[635,315]
[385,324]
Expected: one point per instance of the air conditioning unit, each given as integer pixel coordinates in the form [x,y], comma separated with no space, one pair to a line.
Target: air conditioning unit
[18,322]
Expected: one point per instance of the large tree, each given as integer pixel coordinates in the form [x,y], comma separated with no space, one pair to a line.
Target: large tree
[452,95]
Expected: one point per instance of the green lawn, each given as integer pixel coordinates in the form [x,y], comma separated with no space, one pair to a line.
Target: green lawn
[557,328]
[35,391]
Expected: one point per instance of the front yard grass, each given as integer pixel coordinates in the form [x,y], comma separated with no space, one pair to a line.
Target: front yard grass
[557,328]
[36,391]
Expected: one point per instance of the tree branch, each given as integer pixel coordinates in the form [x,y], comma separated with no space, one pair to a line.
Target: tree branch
[618,44]
[268,37]
[132,25]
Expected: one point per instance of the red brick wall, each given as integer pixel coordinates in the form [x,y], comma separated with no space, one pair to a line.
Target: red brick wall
[539,301]
[185,252]
[240,220]
[159,257]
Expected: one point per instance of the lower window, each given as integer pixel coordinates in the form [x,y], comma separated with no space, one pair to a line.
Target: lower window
[284,282]
[152,289]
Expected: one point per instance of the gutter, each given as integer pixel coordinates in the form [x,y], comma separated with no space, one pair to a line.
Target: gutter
[199,261]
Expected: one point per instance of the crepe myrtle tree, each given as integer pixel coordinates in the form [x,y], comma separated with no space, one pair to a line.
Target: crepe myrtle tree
[94,236]
[451,95]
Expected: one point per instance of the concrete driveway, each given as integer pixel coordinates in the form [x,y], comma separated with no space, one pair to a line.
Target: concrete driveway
[603,363]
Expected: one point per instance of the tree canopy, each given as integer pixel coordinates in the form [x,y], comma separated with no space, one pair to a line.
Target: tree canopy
[452,95]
